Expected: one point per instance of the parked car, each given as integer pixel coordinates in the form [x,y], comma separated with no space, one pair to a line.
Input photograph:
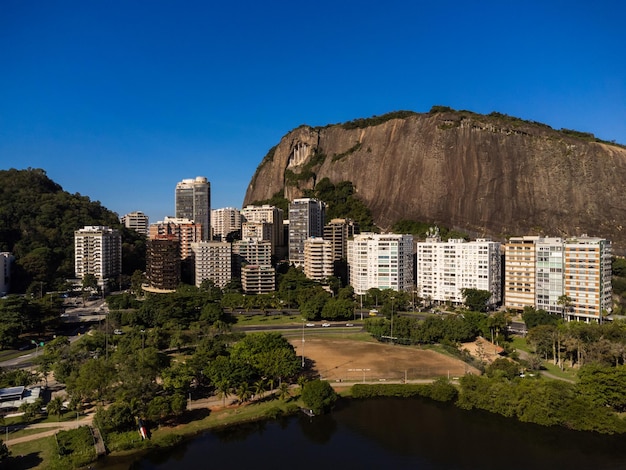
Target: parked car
[118,332]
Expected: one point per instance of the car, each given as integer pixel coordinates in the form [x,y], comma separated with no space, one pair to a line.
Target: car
[325,325]
[310,324]
[349,324]
[118,332]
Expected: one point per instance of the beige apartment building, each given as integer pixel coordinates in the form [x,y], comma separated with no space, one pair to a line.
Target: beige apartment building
[318,258]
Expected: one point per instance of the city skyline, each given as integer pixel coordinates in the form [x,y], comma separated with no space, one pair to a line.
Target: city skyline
[121,101]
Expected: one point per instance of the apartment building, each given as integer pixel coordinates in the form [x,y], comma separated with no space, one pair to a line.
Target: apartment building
[338,231]
[251,251]
[383,261]
[163,264]
[570,277]
[587,278]
[318,258]
[137,221]
[187,232]
[212,260]
[257,279]
[519,272]
[306,219]
[193,202]
[98,251]
[6,262]
[445,268]
[224,222]
[268,215]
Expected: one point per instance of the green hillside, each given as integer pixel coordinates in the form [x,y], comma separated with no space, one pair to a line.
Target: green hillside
[37,223]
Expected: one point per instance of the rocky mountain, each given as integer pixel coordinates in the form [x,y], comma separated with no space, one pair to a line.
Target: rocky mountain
[489,175]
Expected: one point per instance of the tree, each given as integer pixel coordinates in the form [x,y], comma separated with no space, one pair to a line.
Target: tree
[55,407]
[5,453]
[533,317]
[476,299]
[319,396]
[566,304]
[243,392]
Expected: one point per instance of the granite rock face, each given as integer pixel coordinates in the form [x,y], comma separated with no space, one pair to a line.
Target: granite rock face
[488,175]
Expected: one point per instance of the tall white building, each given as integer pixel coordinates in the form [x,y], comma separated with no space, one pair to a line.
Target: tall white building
[383,261]
[98,251]
[445,268]
[212,261]
[318,258]
[269,215]
[306,219]
[225,221]
[137,221]
[193,202]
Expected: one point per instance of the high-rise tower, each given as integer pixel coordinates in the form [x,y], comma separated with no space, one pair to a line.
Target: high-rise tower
[193,201]
[306,219]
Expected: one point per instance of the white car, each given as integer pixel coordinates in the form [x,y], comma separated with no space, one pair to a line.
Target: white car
[310,324]
[325,324]
[349,324]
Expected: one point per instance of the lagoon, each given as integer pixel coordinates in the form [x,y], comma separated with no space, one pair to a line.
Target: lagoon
[388,433]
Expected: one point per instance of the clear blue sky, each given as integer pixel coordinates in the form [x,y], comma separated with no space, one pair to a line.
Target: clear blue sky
[119,100]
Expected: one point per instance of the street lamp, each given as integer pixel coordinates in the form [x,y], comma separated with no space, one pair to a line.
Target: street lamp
[303,321]
[392,320]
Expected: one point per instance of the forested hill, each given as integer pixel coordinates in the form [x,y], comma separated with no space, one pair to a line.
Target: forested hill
[37,223]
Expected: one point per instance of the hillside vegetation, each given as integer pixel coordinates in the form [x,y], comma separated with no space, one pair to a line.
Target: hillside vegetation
[37,223]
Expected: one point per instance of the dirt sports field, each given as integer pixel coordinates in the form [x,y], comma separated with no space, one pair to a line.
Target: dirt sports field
[355,361]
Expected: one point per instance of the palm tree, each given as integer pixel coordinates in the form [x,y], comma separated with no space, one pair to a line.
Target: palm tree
[55,407]
[566,303]
[223,389]
[283,391]
[243,392]
[259,387]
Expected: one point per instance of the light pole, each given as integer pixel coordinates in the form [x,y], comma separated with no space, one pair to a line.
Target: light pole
[391,320]
[303,321]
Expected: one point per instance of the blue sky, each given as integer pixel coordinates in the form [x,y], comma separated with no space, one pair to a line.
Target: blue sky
[119,100]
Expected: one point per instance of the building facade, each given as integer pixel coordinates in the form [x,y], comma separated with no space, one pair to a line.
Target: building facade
[306,219]
[318,258]
[258,279]
[251,251]
[187,232]
[258,231]
[193,202]
[569,277]
[519,272]
[137,221]
[6,262]
[163,264]
[213,261]
[269,215]
[587,278]
[382,261]
[98,251]
[338,231]
[445,268]
[224,222]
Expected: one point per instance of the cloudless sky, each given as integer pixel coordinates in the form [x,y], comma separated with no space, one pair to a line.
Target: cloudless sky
[119,100]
